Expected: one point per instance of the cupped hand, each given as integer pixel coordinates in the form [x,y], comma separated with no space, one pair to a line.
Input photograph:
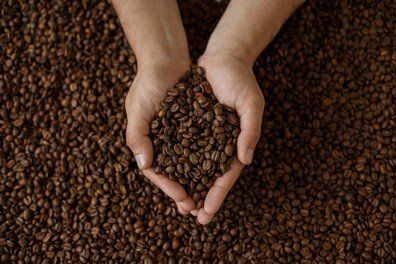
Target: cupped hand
[142,102]
[234,85]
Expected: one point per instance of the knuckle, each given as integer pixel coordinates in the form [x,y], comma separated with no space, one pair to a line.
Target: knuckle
[180,196]
[130,139]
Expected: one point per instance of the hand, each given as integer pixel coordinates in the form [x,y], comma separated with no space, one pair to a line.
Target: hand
[155,31]
[234,85]
[142,102]
[241,34]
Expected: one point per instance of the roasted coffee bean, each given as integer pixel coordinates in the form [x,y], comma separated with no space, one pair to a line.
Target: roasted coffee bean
[207,165]
[209,116]
[215,155]
[170,169]
[179,168]
[229,150]
[193,159]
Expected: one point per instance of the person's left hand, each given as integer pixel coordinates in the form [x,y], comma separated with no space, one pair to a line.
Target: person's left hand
[234,85]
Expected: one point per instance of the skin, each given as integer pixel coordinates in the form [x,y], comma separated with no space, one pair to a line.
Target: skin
[156,34]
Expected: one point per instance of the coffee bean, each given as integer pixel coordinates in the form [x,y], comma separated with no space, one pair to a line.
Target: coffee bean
[207,165]
[229,150]
[349,197]
[360,167]
[170,169]
[194,159]
[223,157]
[219,130]
[26,214]
[179,168]
[209,116]
[383,208]
[193,130]
[218,110]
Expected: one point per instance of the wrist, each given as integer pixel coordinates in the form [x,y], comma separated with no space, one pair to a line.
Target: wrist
[154,30]
[237,35]
[164,54]
[175,64]
[237,49]
[177,61]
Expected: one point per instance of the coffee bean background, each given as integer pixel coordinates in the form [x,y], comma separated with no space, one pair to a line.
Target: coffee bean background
[321,187]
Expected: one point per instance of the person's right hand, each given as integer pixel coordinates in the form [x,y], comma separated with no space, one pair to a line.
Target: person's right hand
[234,85]
[142,102]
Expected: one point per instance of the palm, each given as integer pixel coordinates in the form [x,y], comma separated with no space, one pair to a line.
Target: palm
[149,89]
[227,80]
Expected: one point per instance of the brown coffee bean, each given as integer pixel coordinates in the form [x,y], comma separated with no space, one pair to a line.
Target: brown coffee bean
[194,159]
[178,149]
[218,110]
[233,119]
[215,155]
[207,165]
[193,130]
[383,208]
[179,168]
[95,231]
[349,197]
[26,214]
[209,116]
[170,169]
[229,150]
[360,167]
[219,130]
[157,169]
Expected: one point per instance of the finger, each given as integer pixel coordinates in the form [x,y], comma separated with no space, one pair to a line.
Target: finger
[203,217]
[250,110]
[221,187]
[181,210]
[187,204]
[138,141]
[171,188]
[194,212]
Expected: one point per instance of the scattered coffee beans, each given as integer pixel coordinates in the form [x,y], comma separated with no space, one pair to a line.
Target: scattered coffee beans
[194,136]
[321,187]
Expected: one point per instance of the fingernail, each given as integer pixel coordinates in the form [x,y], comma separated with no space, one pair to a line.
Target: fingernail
[249,155]
[140,160]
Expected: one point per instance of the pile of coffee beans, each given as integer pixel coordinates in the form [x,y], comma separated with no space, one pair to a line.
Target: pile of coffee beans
[194,135]
[322,184]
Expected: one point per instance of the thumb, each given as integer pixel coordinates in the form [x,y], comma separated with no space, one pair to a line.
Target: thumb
[138,141]
[250,111]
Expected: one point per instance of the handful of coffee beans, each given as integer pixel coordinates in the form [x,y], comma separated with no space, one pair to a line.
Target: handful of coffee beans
[194,135]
